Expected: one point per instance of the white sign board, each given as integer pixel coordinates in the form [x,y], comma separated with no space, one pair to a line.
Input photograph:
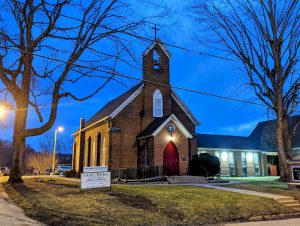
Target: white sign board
[95,180]
[95,169]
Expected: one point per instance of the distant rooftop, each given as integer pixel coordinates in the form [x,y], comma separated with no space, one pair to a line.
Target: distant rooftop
[263,137]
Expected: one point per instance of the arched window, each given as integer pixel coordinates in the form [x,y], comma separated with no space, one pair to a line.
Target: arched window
[157,104]
[103,157]
[98,149]
[156,60]
[74,155]
[89,151]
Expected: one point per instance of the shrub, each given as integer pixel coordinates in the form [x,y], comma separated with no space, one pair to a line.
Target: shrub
[204,165]
[71,173]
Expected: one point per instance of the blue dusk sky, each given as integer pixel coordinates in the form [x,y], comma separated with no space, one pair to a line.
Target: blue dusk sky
[187,69]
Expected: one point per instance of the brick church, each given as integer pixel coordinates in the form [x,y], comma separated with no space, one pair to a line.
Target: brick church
[148,126]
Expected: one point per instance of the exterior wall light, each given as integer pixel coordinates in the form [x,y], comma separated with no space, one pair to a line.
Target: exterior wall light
[224,156]
[171,138]
[250,157]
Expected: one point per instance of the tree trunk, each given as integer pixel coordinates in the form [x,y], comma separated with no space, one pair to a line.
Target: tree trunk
[18,144]
[282,155]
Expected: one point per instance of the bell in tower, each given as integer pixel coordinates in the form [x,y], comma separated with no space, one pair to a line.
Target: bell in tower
[156,63]
[156,60]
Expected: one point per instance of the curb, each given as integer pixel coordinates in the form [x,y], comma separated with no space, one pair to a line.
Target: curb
[275,217]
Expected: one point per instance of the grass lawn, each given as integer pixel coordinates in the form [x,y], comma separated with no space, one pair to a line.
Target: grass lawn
[264,184]
[61,202]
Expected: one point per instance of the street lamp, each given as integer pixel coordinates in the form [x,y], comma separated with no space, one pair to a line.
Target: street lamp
[59,129]
[2,111]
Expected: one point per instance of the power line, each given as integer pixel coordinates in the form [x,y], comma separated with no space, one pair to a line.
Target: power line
[131,34]
[146,80]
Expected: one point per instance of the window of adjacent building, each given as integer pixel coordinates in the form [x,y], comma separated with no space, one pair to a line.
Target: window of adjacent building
[217,154]
[231,163]
[256,163]
[156,60]
[244,163]
[157,104]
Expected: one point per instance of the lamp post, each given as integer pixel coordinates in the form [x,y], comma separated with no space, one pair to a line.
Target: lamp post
[59,129]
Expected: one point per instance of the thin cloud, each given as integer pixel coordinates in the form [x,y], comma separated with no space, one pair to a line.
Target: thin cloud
[241,128]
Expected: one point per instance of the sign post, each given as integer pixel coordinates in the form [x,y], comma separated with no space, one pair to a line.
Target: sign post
[296,174]
[95,177]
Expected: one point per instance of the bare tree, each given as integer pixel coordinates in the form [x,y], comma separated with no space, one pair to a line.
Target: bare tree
[32,30]
[264,35]
[63,144]
[40,161]
[6,153]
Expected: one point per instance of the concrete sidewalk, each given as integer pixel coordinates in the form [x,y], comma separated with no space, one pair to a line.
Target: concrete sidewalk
[287,222]
[243,191]
[11,215]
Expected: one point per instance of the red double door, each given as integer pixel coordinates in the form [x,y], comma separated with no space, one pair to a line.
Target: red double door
[171,160]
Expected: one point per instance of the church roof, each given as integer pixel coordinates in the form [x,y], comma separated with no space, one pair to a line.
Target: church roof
[113,105]
[264,134]
[158,123]
[162,46]
[153,126]
[224,142]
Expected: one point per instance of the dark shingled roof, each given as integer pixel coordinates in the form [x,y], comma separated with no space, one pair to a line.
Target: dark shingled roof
[263,137]
[224,142]
[264,134]
[153,126]
[112,105]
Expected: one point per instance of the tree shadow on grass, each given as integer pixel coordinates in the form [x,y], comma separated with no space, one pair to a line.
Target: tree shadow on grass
[144,203]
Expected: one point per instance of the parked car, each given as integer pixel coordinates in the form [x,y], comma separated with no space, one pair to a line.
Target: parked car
[4,171]
[63,168]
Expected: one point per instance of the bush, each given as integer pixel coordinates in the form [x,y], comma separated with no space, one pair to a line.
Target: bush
[204,165]
[71,173]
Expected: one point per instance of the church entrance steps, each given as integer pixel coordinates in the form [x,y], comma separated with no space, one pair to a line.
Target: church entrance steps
[289,202]
[187,180]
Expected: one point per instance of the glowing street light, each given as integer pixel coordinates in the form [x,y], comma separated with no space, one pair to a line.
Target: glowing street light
[3,112]
[59,129]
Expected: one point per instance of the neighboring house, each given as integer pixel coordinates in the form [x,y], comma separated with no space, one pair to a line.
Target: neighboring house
[255,155]
[146,127]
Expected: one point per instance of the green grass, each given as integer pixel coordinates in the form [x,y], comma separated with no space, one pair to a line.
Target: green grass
[61,202]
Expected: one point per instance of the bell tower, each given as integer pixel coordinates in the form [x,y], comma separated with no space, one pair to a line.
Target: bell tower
[156,63]
[157,90]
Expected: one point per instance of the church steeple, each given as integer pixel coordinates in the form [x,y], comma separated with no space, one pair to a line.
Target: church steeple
[156,73]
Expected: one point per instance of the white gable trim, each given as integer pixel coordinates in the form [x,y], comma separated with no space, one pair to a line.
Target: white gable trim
[162,46]
[126,102]
[185,108]
[178,124]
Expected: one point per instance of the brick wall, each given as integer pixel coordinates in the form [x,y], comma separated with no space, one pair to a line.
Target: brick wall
[181,142]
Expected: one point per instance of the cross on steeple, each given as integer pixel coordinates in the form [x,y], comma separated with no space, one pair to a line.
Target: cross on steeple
[155,31]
